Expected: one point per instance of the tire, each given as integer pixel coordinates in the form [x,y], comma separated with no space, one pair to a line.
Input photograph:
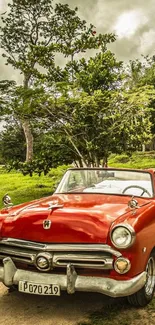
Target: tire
[142,297]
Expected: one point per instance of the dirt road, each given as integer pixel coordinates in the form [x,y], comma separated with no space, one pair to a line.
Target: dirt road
[23,309]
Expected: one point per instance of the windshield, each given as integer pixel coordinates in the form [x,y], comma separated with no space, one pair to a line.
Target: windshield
[112,181]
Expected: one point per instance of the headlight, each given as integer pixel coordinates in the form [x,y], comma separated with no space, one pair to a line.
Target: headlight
[122,236]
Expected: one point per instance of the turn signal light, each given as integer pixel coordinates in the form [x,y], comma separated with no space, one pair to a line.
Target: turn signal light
[122,265]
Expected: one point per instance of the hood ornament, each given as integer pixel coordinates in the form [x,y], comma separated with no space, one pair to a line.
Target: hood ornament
[54,205]
[47,224]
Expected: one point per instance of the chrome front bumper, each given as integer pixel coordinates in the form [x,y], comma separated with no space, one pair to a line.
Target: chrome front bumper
[72,282]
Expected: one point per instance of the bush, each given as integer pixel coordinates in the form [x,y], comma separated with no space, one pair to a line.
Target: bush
[123,158]
[138,160]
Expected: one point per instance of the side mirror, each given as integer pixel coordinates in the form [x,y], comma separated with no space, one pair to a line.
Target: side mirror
[7,200]
[133,204]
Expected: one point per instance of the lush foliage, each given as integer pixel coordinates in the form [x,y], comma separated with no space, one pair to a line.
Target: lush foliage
[80,112]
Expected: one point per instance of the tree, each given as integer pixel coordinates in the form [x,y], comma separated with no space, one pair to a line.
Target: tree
[33,32]
[109,122]
[6,90]
[12,144]
[141,74]
[96,113]
[106,121]
[102,72]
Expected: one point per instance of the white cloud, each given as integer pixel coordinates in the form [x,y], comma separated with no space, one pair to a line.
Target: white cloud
[3,4]
[147,41]
[128,23]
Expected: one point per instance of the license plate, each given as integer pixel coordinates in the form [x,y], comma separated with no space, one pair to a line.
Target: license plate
[39,288]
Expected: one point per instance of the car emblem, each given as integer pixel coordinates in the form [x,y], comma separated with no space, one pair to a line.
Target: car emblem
[47,224]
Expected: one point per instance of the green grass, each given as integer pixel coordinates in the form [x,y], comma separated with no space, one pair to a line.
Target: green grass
[139,160]
[25,188]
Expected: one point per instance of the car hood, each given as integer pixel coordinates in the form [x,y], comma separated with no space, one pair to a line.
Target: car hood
[75,218]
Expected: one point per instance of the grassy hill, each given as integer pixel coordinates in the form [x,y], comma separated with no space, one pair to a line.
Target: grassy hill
[140,160]
[25,188]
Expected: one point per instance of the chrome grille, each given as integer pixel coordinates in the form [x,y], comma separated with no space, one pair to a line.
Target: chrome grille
[17,254]
[88,256]
[83,260]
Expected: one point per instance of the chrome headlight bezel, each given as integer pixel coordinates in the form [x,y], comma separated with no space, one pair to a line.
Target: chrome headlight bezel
[129,230]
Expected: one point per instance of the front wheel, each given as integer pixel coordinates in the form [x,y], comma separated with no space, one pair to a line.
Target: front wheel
[142,297]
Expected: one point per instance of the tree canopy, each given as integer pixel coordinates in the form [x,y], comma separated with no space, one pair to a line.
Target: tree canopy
[79,111]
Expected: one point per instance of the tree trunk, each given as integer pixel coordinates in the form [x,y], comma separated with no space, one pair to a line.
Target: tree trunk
[105,162]
[27,127]
[29,139]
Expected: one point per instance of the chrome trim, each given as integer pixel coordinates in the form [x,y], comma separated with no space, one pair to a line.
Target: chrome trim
[61,260]
[17,255]
[150,282]
[7,201]
[133,204]
[19,260]
[97,261]
[55,206]
[71,279]
[60,247]
[82,256]
[128,227]
[72,282]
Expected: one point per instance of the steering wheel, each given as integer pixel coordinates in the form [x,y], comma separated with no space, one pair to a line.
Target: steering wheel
[137,186]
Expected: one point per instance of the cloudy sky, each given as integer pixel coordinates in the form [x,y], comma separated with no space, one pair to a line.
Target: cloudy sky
[133,21]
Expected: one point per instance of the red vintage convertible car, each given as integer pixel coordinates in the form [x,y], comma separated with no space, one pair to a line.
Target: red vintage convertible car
[96,233]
